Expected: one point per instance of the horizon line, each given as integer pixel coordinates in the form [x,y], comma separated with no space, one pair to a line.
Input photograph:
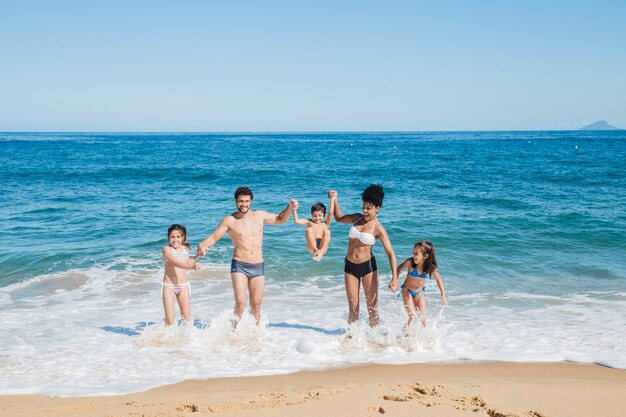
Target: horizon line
[199,132]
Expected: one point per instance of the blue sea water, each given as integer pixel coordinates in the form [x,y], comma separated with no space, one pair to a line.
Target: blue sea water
[530,231]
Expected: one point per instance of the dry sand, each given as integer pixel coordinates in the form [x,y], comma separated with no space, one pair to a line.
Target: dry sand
[476,389]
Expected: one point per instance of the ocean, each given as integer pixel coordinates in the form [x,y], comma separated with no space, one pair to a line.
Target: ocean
[529,227]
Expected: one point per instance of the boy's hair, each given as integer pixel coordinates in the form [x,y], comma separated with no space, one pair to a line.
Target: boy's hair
[318,207]
[182,230]
[374,194]
[427,249]
[243,191]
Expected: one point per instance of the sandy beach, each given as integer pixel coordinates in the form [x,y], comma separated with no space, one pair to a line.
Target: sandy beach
[475,389]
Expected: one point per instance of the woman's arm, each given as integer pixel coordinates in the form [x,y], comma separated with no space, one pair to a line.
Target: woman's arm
[339,216]
[329,218]
[384,239]
[403,265]
[444,300]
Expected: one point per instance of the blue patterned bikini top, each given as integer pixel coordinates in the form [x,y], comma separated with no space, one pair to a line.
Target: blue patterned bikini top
[414,273]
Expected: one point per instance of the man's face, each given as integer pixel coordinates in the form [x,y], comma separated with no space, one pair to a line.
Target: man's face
[243,203]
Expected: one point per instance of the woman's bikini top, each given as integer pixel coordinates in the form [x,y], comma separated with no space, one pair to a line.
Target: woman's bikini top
[364,237]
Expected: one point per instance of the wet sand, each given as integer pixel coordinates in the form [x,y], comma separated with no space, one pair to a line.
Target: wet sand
[471,389]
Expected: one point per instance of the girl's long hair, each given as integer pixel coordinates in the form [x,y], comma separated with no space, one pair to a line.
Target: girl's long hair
[428,250]
[182,230]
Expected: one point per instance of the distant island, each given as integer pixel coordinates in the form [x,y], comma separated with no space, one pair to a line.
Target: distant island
[601,125]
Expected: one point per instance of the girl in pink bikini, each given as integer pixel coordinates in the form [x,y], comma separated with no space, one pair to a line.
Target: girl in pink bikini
[175,286]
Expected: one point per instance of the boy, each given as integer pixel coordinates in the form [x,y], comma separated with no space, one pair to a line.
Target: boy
[317,230]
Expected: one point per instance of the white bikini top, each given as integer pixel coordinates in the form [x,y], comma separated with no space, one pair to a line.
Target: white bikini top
[364,237]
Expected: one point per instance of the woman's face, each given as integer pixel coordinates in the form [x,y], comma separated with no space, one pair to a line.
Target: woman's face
[369,210]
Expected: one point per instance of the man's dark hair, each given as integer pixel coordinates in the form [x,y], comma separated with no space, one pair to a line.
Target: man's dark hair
[243,191]
[374,194]
[318,207]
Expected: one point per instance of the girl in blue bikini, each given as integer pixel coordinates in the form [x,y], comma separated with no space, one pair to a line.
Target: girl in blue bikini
[422,266]
[175,286]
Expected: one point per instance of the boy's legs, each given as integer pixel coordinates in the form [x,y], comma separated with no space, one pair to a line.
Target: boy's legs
[311,243]
[324,242]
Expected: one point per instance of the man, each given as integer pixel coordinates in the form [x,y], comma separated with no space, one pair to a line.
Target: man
[245,228]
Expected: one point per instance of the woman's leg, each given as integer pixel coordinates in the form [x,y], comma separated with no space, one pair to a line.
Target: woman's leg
[370,288]
[352,291]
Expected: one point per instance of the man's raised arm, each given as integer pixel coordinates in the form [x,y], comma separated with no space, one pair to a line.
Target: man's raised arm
[282,218]
[214,237]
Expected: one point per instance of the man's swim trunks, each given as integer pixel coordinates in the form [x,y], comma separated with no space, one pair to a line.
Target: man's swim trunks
[248,269]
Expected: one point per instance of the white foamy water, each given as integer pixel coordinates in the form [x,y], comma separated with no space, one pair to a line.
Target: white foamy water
[99,331]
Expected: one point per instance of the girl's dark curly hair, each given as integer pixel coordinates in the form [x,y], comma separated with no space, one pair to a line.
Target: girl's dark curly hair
[374,194]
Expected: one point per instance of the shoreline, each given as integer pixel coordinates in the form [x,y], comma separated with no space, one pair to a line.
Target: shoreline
[494,389]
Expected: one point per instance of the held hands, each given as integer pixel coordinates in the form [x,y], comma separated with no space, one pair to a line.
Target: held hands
[393,285]
[202,250]
[332,194]
[294,204]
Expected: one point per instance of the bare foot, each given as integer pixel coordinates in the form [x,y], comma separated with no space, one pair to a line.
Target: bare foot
[318,256]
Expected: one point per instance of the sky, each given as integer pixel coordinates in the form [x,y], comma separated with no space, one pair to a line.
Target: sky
[245,66]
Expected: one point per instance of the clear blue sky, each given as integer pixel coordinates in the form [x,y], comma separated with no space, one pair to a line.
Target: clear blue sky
[311,66]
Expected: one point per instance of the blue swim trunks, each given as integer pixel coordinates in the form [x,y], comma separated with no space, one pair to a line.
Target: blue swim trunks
[250,270]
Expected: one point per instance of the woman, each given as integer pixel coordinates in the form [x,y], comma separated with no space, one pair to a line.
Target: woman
[360,264]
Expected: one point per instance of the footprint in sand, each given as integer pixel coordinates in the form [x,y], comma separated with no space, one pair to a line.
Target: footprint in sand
[378,410]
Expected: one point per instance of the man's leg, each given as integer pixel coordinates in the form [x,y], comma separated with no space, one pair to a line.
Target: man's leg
[256,287]
[240,285]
